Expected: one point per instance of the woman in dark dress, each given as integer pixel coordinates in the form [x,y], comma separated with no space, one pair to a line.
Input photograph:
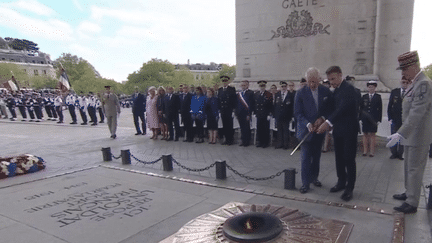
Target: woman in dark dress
[162,120]
[371,114]
[212,112]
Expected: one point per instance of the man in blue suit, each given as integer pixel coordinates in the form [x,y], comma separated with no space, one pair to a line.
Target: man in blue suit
[344,120]
[245,107]
[138,110]
[311,102]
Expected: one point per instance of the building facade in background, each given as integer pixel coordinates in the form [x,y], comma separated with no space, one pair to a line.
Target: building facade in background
[280,39]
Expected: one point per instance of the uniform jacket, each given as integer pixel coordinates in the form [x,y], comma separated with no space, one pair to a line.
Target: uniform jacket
[305,110]
[227,99]
[344,116]
[263,104]
[372,107]
[283,109]
[248,97]
[417,113]
[111,105]
[394,108]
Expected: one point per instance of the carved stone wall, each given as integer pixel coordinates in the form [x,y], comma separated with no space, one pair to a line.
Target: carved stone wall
[280,39]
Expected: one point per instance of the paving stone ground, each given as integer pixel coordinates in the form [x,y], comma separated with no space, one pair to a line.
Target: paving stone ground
[67,148]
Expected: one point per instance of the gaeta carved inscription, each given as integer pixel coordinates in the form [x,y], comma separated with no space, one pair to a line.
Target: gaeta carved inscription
[300,25]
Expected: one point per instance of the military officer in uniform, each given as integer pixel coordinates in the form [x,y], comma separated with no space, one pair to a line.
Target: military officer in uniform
[111,108]
[227,101]
[21,101]
[283,112]
[10,103]
[70,102]
[370,115]
[58,104]
[186,118]
[415,132]
[82,101]
[263,107]
[394,114]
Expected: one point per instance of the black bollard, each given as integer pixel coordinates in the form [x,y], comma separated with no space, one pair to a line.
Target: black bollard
[220,170]
[429,205]
[106,153]
[125,155]
[167,162]
[290,179]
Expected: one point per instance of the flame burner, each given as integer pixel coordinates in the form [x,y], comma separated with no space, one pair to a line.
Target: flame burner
[240,222]
[252,227]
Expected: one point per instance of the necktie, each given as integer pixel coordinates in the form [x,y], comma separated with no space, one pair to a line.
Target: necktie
[403,92]
[370,97]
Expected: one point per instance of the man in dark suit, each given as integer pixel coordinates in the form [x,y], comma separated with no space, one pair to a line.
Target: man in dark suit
[311,102]
[171,107]
[263,108]
[227,102]
[185,103]
[138,110]
[244,109]
[394,114]
[342,118]
[283,113]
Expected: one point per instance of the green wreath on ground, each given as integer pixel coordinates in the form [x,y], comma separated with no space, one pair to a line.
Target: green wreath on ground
[20,165]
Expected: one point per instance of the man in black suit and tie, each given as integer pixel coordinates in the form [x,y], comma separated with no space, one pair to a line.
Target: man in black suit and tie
[185,107]
[394,114]
[244,109]
[171,107]
[343,119]
[138,110]
[227,102]
[283,113]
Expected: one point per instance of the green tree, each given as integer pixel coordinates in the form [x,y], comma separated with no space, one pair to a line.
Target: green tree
[226,70]
[6,71]
[428,71]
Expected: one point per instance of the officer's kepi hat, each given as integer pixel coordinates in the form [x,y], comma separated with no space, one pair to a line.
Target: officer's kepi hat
[372,82]
[283,83]
[262,82]
[407,59]
[224,78]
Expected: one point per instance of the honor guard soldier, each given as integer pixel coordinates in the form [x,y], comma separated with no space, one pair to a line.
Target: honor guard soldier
[3,106]
[52,107]
[30,108]
[21,103]
[37,104]
[263,107]
[10,103]
[46,105]
[70,102]
[283,112]
[92,109]
[227,101]
[58,103]
[100,110]
[82,101]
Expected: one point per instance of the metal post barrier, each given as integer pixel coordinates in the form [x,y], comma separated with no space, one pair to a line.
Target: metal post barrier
[429,205]
[106,153]
[167,162]
[220,170]
[290,179]
[125,155]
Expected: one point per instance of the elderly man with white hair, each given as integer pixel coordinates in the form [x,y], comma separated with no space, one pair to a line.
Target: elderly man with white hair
[311,102]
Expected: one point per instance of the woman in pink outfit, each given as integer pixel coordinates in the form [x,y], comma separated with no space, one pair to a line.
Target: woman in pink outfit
[151,112]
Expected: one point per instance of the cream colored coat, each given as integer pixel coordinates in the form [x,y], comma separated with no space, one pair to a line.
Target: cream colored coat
[417,113]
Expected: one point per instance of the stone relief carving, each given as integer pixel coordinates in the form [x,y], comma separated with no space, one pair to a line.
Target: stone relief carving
[300,25]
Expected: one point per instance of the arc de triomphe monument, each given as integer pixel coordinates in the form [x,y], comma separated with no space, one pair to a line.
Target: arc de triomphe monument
[279,39]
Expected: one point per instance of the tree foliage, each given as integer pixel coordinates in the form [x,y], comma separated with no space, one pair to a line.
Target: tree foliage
[22,44]
[428,71]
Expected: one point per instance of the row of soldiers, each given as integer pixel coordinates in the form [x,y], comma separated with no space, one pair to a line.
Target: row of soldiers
[30,105]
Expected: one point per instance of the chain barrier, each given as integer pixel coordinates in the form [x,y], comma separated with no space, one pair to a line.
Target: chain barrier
[112,155]
[207,168]
[254,178]
[194,170]
[144,162]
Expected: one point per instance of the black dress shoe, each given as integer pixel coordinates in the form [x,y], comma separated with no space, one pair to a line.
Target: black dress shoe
[278,147]
[241,144]
[73,123]
[304,189]
[406,208]
[393,156]
[101,122]
[317,183]
[245,145]
[402,158]
[401,197]
[347,195]
[170,139]
[176,139]
[338,187]
[138,133]
[84,123]
[258,145]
